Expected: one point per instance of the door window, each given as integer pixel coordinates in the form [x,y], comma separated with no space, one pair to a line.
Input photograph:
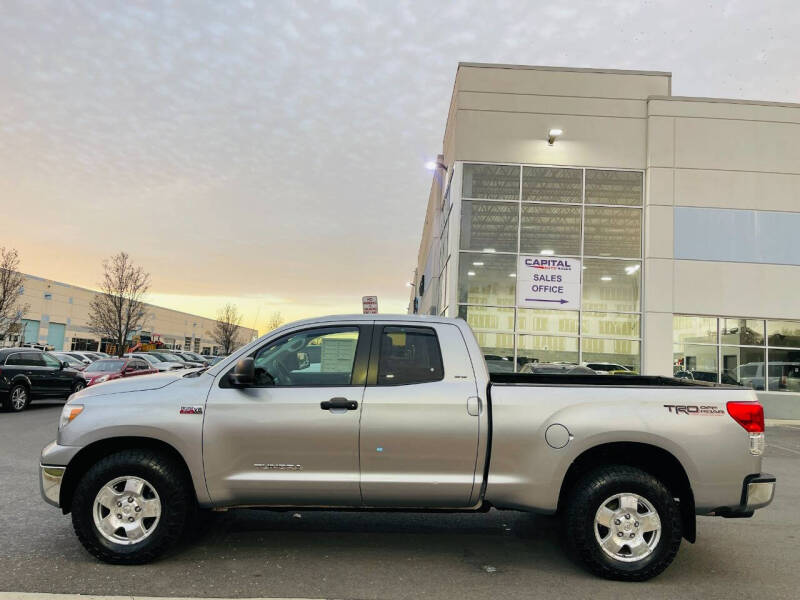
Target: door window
[33,359]
[409,355]
[314,357]
[51,362]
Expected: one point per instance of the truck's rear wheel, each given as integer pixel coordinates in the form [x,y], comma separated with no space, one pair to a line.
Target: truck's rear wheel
[622,523]
[131,506]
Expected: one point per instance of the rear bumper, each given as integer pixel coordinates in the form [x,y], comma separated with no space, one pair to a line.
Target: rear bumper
[758,490]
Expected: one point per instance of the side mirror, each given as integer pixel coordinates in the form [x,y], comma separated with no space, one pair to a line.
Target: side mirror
[244,374]
[64,364]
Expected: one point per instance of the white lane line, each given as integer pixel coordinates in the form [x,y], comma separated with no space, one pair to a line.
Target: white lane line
[782,448]
[37,596]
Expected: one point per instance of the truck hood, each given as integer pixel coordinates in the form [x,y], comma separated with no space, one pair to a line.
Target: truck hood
[139,383]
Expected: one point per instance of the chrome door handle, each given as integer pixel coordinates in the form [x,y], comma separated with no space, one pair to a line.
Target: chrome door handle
[474,405]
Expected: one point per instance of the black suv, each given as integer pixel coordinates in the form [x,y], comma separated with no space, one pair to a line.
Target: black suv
[27,373]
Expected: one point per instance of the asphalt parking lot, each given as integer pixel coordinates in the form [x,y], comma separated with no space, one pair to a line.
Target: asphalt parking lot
[499,554]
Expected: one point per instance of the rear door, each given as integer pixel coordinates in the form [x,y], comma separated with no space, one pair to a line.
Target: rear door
[420,422]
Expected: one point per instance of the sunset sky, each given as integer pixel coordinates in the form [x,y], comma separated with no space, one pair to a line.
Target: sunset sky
[271,153]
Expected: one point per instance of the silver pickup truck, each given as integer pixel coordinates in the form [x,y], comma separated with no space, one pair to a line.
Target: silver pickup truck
[378,412]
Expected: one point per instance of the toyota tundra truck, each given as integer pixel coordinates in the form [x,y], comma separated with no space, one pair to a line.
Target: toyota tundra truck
[373,412]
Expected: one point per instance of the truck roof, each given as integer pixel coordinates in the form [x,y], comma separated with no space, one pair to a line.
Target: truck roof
[378,317]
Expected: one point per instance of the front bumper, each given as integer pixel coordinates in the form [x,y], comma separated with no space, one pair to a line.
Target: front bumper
[758,490]
[50,478]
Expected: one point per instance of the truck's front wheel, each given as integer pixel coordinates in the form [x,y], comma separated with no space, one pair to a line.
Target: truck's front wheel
[131,506]
[622,523]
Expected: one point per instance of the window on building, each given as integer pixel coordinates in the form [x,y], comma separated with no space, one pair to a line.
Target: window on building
[611,285]
[614,187]
[489,226]
[550,229]
[591,214]
[763,355]
[487,317]
[615,232]
[552,184]
[494,182]
[487,279]
[546,349]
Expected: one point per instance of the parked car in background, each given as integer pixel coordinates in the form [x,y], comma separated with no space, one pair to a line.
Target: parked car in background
[174,356]
[783,376]
[156,362]
[212,360]
[195,357]
[101,354]
[555,369]
[604,368]
[29,374]
[108,369]
[74,363]
[709,376]
[84,357]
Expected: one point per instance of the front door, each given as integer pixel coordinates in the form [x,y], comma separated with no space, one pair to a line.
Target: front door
[57,379]
[292,438]
[421,419]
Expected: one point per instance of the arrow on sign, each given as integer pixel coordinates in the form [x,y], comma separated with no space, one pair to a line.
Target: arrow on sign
[561,301]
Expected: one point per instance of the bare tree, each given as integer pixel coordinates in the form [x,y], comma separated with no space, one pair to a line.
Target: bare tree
[11,281]
[274,321]
[228,327]
[118,309]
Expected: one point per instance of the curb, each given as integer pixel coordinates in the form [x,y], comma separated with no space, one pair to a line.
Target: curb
[37,596]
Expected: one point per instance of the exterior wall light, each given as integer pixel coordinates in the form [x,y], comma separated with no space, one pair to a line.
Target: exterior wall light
[432,165]
[546,253]
[553,135]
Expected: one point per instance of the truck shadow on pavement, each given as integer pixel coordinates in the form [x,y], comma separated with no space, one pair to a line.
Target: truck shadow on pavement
[491,542]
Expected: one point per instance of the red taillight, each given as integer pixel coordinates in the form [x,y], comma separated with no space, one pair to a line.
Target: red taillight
[749,415]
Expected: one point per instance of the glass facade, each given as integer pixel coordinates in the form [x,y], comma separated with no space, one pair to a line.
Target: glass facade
[757,353]
[594,215]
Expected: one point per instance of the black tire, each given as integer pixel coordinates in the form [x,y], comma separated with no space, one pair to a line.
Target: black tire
[583,536]
[11,406]
[78,386]
[164,476]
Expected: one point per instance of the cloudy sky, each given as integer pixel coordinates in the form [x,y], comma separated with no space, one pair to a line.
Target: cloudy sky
[271,153]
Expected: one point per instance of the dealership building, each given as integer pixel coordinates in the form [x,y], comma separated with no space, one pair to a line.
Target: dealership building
[58,317]
[589,216]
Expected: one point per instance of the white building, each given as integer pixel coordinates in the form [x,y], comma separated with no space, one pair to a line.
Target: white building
[683,213]
[58,317]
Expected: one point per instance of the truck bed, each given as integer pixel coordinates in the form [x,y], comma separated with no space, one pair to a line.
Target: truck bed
[550,379]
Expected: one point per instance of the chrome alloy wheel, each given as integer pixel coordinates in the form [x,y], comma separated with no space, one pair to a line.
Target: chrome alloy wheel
[19,398]
[627,527]
[127,510]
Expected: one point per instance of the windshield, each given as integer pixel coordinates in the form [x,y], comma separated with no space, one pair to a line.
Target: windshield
[149,358]
[105,366]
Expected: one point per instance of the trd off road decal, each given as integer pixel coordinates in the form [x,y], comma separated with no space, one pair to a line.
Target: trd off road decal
[692,409]
[191,410]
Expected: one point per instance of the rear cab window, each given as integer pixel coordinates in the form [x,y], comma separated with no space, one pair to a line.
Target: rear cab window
[409,355]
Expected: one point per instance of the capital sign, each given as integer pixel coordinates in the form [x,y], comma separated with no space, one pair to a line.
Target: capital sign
[549,282]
